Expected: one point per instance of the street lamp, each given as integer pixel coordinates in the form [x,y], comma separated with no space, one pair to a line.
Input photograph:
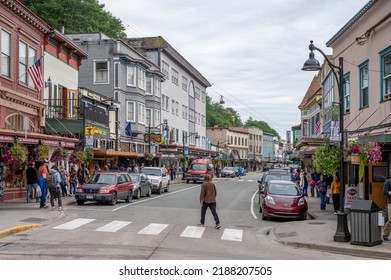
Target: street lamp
[183,149]
[342,234]
[166,128]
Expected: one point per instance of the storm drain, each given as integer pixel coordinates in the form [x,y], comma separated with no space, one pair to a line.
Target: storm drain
[33,220]
[316,223]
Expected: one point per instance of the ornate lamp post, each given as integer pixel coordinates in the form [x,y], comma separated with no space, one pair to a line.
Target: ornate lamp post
[342,234]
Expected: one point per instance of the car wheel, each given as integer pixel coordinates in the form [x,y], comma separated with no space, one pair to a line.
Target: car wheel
[260,209]
[168,186]
[159,190]
[129,198]
[149,192]
[138,194]
[80,202]
[187,181]
[114,198]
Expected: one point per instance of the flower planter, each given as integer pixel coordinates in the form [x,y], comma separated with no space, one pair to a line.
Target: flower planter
[354,159]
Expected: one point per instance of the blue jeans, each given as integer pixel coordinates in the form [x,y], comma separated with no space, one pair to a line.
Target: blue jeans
[42,185]
[323,200]
[29,188]
[72,186]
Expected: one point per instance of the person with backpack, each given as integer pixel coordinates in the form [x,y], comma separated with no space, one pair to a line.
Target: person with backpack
[64,181]
[42,176]
[53,182]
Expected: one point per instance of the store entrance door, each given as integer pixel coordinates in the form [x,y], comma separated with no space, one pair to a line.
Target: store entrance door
[377,175]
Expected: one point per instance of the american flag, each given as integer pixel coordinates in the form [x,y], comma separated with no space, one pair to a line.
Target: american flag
[317,127]
[35,72]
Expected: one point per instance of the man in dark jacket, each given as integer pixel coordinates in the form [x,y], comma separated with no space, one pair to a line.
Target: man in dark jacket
[208,200]
[32,181]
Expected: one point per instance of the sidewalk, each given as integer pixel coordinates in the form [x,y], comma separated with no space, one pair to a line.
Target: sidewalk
[317,233]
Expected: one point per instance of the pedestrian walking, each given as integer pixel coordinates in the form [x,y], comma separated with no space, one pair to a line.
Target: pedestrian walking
[305,184]
[65,181]
[321,186]
[32,181]
[387,227]
[240,171]
[54,186]
[335,191]
[208,200]
[72,181]
[312,186]
[43,172]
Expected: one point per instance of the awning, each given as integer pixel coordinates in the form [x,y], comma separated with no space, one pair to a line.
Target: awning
[112,153]
[381,135]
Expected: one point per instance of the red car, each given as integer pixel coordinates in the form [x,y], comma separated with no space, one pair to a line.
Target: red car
[106,187]
[282,199]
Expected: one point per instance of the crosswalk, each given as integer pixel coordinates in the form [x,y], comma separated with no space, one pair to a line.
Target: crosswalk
[154,229]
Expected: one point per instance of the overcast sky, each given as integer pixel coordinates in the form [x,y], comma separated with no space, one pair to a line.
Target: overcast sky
[251,51]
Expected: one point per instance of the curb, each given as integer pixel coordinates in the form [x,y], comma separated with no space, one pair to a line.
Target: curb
[17,229]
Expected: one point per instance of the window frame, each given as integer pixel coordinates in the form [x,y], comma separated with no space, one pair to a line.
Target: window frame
[131,77]
[5,56]
[149,85]
[128,105]
[102,61]
[141,113]
[346,93]
[385,81]
[364,100]
[141,78]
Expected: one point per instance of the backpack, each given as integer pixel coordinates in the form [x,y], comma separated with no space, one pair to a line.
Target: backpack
[51,181]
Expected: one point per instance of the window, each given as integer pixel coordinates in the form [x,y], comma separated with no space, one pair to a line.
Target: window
[141,78]
[22,63]
[364,85]
[130,111]
[163,102]
[149,85]
[148,116]
[165,69]
[157,117]
[130,75]
[173,107]
[101,72]
[203,96]
[184,83]
[386,73]
[167,104]
[177,108]
[141,113]
[158,86]
[175,76]
[5,54]
[346,93]
[197,93]
[116,75]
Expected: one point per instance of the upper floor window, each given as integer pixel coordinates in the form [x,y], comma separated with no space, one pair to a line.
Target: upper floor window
[165,69]
[148,115]
[364,85]
[203,96]
[101,72]
[149,85]
[156,117]
[175,76]
[27,56]
[346,93]
[130,75]
[141,113]
[158,87]
[130,111]
[173,106]
[163,102]
[141,78]
[5,54]
[197,93]
[184,83]
[386,73]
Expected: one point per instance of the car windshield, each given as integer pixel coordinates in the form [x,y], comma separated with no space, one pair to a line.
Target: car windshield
[198,166]
[283,177]
[135,178]
[102,178]
[284,189]
[152,172]
[228,169]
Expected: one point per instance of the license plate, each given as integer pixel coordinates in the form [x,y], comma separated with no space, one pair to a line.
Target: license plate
[90,197]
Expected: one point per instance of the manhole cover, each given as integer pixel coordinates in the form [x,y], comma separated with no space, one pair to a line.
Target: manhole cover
[33,220]
[286,234]
[316,223]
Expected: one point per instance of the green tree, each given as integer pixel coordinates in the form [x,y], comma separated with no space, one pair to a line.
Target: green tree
[77,16]
[327,159]
[262,126]
[220,116]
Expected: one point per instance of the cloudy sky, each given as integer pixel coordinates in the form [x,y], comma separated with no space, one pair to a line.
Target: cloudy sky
[251,51]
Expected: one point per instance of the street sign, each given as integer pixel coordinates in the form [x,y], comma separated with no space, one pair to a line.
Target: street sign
[153,137]
[335,135]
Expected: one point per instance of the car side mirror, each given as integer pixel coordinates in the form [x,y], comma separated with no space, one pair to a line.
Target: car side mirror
[259,181]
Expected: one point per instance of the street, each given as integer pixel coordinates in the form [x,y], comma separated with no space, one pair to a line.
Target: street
[162,227]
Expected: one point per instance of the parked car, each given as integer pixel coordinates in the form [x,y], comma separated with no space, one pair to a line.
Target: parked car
[142,185]
[198,169]
[272,175]
[159,177]
[106,187]
[282,199]
[228,172]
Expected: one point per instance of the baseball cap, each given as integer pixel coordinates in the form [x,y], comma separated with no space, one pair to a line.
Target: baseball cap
[47,161]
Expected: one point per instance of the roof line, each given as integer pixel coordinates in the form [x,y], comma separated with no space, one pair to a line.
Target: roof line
[351,22]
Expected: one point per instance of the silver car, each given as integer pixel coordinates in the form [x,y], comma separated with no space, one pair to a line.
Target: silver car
[228,172]
[159,177]
[142,185]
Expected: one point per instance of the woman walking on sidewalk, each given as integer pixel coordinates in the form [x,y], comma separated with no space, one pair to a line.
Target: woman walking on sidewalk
[335,190]
[321,186]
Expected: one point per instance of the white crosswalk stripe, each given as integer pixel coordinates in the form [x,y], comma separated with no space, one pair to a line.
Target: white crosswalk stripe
[74,224]
[114,226]
[153,229]
[232,234]
[193,232]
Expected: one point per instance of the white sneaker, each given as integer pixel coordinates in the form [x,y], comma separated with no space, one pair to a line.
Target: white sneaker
[59,208]
[53,208]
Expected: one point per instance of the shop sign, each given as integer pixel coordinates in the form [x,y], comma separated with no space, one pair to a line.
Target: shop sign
[91,130]
[351,193]
[89,141]
[28,141]
[7,139]
[67,144]
[50,142]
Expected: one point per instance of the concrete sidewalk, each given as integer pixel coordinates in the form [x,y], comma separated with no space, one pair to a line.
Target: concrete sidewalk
[317,233]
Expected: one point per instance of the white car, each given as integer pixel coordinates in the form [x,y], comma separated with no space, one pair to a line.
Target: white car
[159,177]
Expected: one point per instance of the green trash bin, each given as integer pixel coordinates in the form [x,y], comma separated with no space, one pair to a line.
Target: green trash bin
[364,223]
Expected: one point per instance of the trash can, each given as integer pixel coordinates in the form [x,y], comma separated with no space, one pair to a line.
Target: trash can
[365,223]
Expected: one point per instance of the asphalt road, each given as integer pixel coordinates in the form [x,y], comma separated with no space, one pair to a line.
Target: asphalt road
[162,227]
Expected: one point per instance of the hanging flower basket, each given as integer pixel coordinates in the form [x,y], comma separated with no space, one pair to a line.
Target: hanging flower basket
[16,154]
[355,158]
[327,159]
[149,156]
[41,152]
[59,154]
[81,156]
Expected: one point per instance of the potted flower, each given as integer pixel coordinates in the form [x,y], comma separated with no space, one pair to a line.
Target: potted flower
[149,156]
[41,152]
[373,153]
[17,153]
[326,159]
[353,152]
[59,154]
